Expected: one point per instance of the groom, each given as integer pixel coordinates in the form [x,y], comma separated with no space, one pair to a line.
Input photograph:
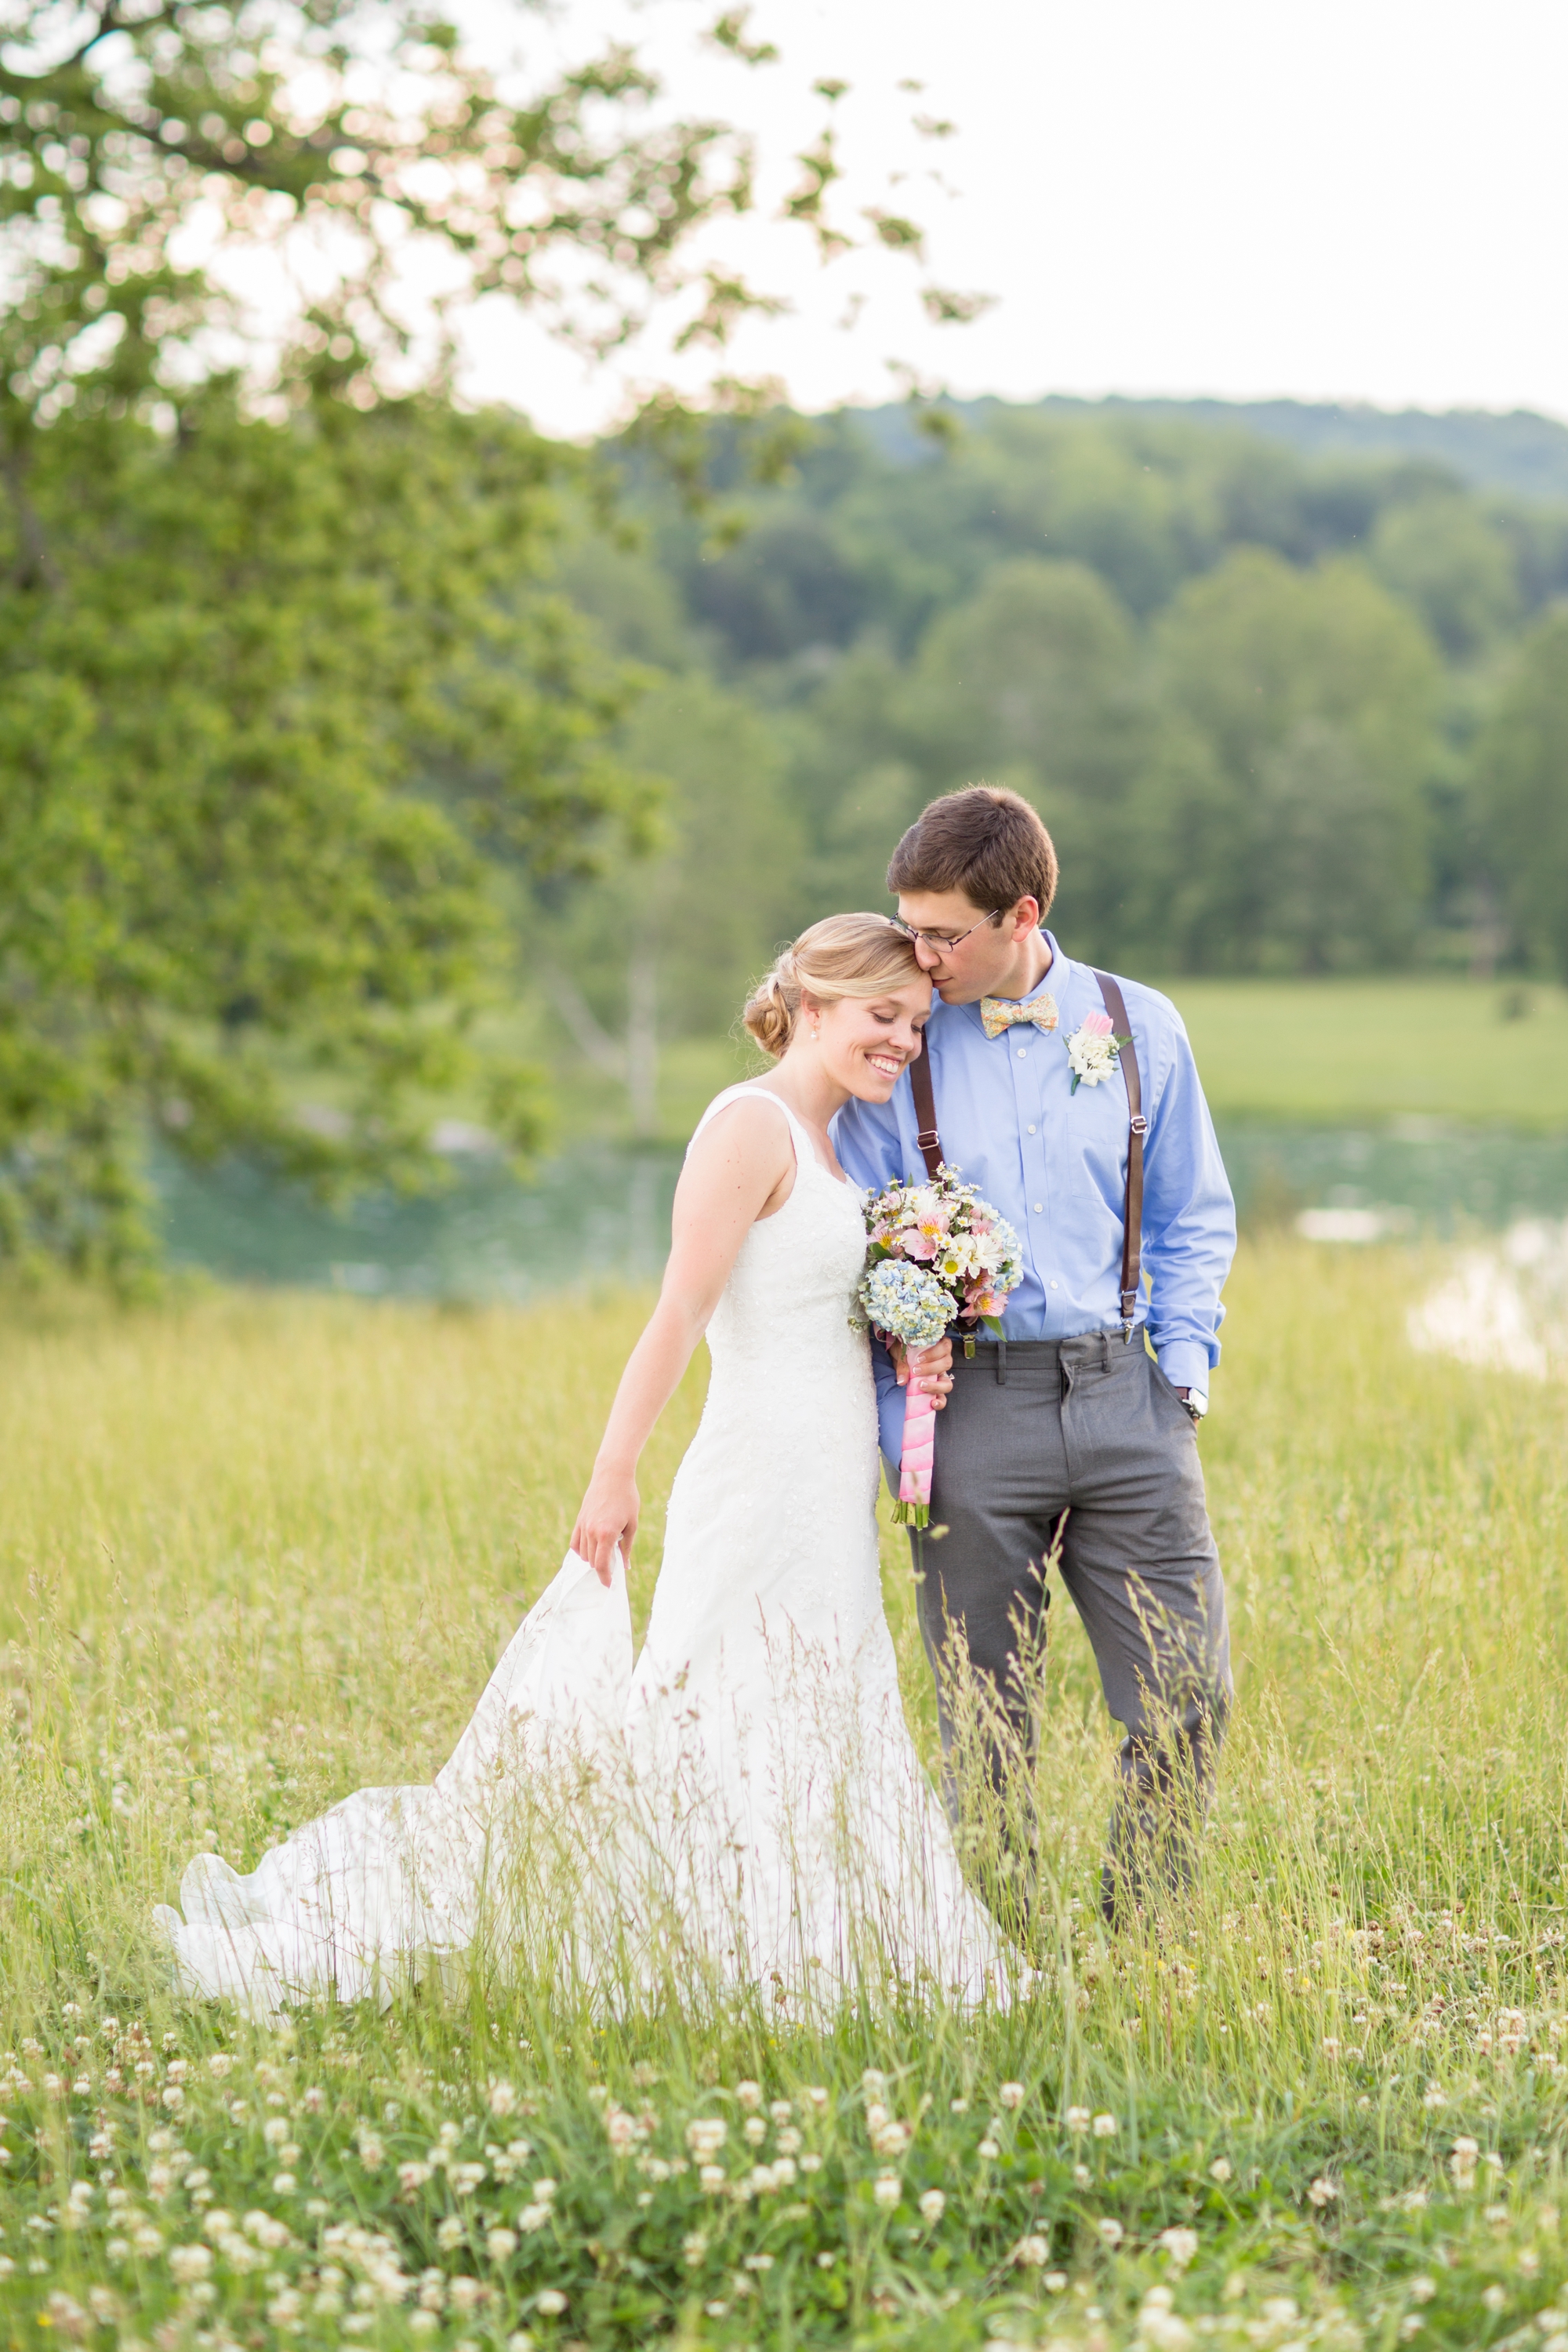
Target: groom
[1069,1430]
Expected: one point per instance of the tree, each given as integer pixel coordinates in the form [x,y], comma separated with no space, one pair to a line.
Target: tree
[282,688]
[1444,558]
[1522,764]
[669,947]
[1284,686]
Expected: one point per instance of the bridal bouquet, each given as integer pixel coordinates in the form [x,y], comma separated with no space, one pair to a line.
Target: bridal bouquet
[939,1255]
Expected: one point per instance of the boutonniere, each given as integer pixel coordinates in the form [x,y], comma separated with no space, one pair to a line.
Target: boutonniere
[1093,1050]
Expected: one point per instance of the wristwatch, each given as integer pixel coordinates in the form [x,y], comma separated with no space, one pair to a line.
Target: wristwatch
[1195,1404]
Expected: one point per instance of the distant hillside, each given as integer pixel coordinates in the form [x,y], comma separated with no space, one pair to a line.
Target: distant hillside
[1521,453]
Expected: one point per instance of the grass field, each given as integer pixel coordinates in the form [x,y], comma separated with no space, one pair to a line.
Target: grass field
[255,1552]
[1335,1052]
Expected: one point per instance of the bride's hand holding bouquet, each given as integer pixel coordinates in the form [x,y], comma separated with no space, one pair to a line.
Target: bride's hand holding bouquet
[939,1255]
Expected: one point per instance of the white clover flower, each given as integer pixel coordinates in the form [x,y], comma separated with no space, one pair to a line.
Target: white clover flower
[1011,2094]
[933,2206]
[1031,2253]
[1220,2169]
[532,2218]
[1322,2192]
[1078,2119]
[187,2263]
[816,2097]
[749,2095]
[551,2302]
[711,2178]
[887,2189]
[1162,2331]
[502,2098]
[449,2233]
[1110,2230]
[1104,2127]
[1182,2245]
[988,2148]
[501,2243]
[520,2341]
[754,2131]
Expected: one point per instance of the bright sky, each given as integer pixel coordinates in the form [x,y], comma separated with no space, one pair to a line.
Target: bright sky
[1354,200]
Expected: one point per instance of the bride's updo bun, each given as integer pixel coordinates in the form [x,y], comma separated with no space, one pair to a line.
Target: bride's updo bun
[845,955]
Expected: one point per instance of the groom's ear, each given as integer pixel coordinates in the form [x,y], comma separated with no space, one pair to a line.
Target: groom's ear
[1024,919]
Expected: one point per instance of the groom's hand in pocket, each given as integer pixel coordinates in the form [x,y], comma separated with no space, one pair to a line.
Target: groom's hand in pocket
[926,1368]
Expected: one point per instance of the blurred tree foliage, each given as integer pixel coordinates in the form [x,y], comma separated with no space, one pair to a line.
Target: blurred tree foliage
[1522,764]
[1249,691]
[286,705]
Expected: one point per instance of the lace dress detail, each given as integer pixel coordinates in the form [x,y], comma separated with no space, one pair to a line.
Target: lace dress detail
[742,1804]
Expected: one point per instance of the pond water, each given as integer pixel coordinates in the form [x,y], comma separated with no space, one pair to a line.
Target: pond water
[600,1214]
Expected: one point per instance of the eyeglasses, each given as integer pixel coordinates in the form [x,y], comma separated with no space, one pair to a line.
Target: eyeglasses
[939,942]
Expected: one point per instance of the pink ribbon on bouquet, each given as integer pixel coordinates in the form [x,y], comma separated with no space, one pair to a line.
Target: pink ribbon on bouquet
[917,1456]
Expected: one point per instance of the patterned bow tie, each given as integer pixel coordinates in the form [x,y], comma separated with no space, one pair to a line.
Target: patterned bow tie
[996,1013]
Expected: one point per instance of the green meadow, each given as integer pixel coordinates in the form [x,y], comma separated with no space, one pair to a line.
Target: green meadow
[257,1551]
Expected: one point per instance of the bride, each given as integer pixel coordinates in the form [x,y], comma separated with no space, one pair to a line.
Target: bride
[742,1805]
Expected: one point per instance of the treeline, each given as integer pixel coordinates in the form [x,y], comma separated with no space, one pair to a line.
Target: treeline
[1283,715]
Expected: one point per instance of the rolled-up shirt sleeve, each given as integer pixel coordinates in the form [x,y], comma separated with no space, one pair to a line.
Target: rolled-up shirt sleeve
[1189,1224]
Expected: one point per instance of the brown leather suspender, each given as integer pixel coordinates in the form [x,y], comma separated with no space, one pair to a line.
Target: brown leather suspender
[928,1138]
[1137,1129]
[930,1141]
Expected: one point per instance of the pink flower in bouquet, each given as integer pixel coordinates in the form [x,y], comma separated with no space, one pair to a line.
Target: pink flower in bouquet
[1097,1024]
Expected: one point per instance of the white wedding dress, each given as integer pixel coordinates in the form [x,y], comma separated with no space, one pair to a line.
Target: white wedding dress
[742,1806]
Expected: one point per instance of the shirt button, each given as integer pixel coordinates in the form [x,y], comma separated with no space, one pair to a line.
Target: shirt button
[1031,1130]
[1038,1212]
[1022,1051]
[1055,1286]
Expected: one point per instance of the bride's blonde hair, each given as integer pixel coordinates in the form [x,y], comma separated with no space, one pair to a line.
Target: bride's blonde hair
[843,955]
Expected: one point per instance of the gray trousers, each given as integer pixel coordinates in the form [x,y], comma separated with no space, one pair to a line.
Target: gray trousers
[1082,1444]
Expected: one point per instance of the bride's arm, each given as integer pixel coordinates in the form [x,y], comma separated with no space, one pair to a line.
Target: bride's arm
[741,1165]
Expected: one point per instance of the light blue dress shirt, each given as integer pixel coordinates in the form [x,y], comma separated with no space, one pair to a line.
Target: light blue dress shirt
[1055,1163]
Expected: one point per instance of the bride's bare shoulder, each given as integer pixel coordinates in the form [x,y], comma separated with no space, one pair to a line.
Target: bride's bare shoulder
[748,1117]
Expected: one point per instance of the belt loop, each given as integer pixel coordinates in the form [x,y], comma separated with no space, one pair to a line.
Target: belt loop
[1105,1351]
[1001,1364]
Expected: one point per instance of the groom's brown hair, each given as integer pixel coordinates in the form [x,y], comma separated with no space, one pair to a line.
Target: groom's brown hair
[985,841]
